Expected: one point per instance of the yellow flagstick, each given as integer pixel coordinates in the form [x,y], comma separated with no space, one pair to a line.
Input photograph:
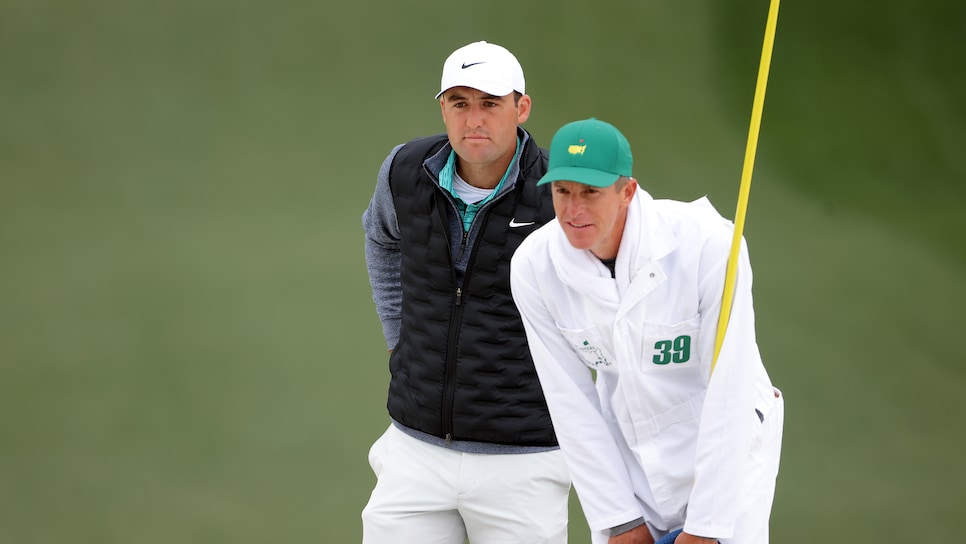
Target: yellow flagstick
[745,188]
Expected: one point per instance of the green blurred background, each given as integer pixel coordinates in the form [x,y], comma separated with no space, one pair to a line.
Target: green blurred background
[188,347]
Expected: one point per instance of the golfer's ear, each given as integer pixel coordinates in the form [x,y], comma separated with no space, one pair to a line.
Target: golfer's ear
[523,109]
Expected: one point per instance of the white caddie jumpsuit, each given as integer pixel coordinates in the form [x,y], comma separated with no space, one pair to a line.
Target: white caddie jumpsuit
[657,435]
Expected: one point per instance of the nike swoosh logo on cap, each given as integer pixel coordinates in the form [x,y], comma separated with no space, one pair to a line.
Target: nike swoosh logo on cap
[513,223]
[465,66]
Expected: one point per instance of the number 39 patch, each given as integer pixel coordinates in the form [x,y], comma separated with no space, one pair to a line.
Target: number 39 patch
[676,350]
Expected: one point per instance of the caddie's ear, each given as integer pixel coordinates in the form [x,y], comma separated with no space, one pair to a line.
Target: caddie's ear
[628,190]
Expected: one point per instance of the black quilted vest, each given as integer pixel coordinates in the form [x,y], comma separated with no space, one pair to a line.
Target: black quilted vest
[461,369]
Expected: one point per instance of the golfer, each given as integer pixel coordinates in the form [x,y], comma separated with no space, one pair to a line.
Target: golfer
[470,452]
[620,298]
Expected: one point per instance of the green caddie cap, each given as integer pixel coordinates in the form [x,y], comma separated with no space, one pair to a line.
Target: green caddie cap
[591,152]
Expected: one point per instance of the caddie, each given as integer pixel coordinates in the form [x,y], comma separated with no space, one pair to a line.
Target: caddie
[620,298]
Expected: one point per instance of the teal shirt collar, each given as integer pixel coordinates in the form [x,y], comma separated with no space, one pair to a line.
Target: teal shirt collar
[469,211]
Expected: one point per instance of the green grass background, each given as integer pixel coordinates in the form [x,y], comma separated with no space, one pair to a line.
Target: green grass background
[188,347]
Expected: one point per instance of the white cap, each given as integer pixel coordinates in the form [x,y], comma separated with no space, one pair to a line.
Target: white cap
[483,66]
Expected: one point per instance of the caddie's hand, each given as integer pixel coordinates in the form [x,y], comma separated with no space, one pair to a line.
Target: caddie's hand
[686,538]
[637,535]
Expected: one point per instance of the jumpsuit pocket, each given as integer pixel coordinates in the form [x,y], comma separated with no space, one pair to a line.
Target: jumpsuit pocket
[769,415]
[668,347]
[666,449]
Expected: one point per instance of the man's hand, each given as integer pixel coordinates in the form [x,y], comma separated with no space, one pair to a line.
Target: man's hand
[685,538]
[637,535]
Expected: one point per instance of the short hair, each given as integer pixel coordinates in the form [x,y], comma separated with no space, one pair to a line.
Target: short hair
[621,182]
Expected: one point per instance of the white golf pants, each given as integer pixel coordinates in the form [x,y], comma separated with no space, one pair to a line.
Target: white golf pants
[426,494]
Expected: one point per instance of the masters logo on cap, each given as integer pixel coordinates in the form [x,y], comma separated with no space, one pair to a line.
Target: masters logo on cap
[591,152]
[483,66]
